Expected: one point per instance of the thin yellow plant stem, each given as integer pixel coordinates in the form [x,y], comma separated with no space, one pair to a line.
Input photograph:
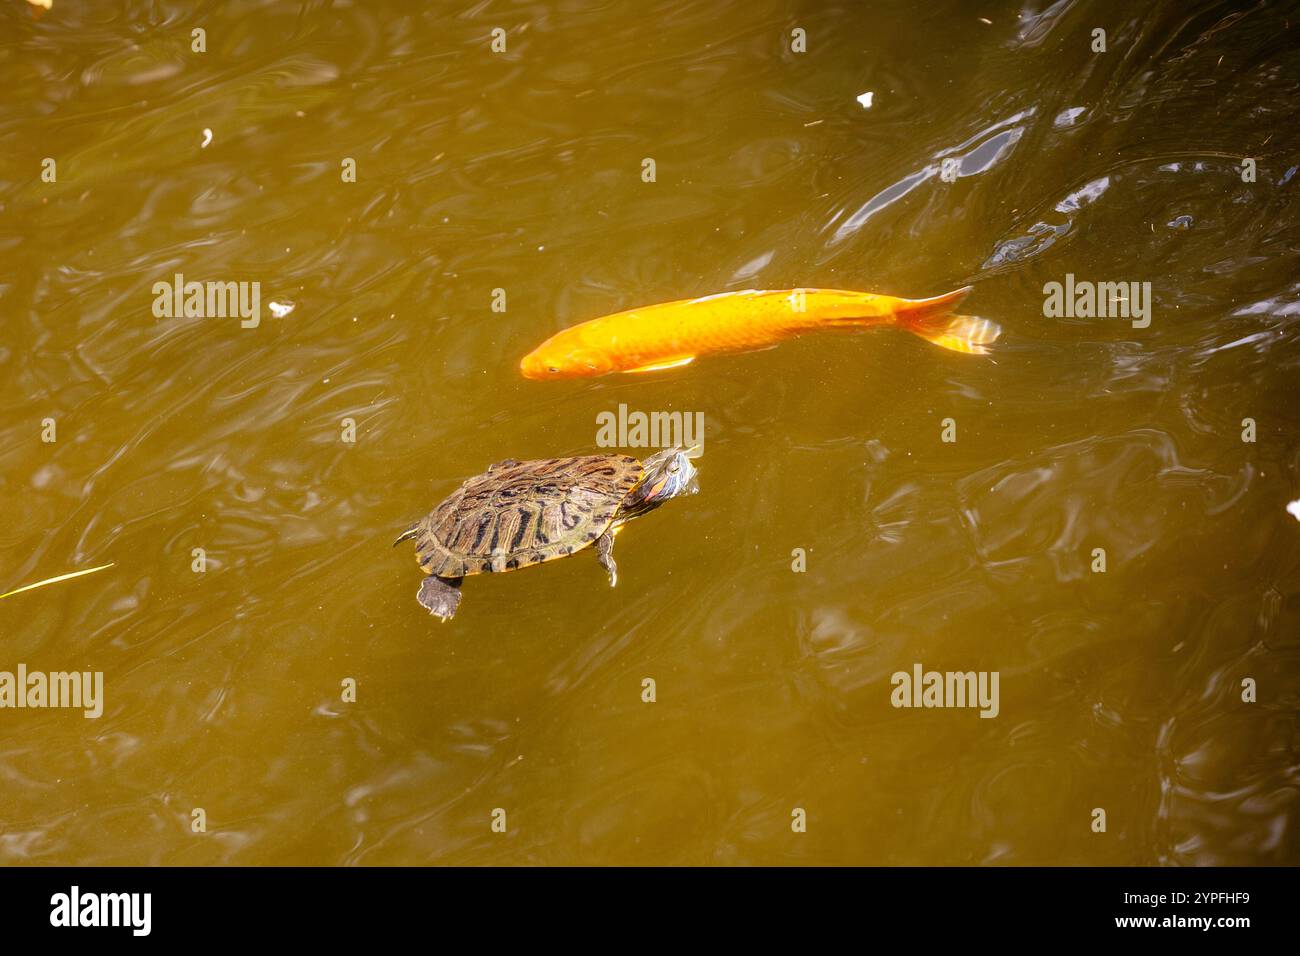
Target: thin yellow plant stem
[61,577]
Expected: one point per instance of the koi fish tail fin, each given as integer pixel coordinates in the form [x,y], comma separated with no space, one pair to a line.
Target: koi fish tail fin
[958,333]
[932,320]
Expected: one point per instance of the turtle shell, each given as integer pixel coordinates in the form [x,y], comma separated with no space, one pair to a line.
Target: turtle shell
[521,513]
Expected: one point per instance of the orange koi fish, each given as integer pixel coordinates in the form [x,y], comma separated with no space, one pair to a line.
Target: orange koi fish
[675,333]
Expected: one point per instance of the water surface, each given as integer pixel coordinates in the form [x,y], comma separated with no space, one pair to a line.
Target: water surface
[522,171]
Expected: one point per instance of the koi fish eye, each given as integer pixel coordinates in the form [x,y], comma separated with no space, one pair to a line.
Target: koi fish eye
[552,369]
[673,468]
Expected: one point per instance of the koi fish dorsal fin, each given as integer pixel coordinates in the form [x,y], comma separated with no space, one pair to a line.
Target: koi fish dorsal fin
[932,320]
[671,363]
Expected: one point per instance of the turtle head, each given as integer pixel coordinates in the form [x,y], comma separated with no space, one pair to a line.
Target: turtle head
[668,473]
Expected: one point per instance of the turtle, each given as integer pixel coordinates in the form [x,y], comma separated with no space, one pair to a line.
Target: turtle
[521,513]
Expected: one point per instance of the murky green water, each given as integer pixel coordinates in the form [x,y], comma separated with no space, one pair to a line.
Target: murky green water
[523,171]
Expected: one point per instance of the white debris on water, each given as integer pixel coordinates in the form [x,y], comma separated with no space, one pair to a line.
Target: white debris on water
[280,309]
[865,99]
[207,138]
[1067,117]
[1293,509]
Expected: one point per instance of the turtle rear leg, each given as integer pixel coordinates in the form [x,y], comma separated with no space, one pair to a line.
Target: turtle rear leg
[441,596]
[605,554]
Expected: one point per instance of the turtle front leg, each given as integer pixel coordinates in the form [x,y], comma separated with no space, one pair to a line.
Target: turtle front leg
[605,554]
[440,595]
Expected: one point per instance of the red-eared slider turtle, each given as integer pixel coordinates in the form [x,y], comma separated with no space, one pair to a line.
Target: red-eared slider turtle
[519,513]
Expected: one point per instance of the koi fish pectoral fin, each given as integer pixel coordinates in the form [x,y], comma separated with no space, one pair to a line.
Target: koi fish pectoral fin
[671,363]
